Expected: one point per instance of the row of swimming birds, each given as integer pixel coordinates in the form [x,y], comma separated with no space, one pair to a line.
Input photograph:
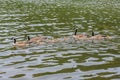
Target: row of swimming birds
[42,39]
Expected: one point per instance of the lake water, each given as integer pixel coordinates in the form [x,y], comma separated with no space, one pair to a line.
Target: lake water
[70,60]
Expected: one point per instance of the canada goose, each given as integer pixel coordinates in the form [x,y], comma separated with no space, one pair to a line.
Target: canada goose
[20,43]
[99,37]
[79,36]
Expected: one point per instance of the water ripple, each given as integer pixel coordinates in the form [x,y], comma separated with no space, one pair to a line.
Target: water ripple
[69,60]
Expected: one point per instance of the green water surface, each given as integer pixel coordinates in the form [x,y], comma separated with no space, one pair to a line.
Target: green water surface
[78,60]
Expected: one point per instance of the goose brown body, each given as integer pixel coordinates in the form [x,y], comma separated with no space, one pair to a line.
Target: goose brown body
[20,43]
[37,39]
[53,40]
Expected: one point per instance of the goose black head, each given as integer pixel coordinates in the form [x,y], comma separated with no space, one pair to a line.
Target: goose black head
[14,40]
[93,34]
[28,38]
[75,31]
